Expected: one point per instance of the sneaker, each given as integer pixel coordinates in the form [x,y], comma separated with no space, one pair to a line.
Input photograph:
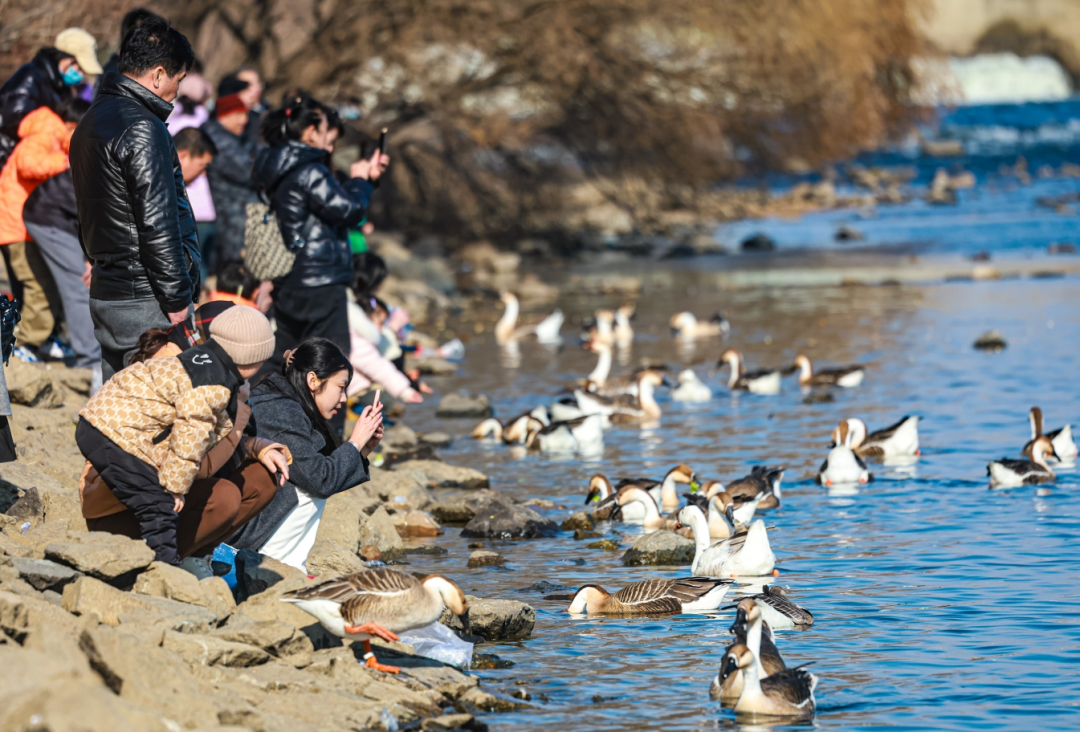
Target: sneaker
[25,355]
[55,350]
[198,566]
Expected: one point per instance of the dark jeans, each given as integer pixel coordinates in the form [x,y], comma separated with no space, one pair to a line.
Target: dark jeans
[136,485]
[311,312]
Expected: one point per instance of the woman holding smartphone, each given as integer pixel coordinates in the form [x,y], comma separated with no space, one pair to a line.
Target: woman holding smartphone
[294,408]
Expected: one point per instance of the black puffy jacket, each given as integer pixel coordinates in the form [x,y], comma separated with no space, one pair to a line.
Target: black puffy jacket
[33,85]
[314,211]
[135,220]
[231,186]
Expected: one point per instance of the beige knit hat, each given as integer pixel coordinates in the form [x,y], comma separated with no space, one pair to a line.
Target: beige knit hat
[245,334]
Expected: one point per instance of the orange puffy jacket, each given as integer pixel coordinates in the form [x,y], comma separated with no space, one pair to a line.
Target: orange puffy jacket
[42,152]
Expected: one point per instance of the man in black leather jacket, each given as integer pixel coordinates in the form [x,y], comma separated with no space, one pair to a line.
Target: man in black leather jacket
[135,220]
[39,83]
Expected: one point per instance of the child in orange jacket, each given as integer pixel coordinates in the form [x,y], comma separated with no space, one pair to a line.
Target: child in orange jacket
[42,152]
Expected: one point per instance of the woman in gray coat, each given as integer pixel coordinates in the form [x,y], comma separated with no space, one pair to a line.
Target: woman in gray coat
[293,408]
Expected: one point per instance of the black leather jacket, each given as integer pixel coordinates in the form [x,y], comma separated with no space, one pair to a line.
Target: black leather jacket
[33,85]
[135,220]
[314,211]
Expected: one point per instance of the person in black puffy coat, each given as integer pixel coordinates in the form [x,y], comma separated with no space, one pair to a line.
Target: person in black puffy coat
[40,83]
[314,212]
[136,223]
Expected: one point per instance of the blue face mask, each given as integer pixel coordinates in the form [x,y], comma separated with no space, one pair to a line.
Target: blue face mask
[73,76]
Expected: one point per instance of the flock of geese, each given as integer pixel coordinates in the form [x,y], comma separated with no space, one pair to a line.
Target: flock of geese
[731,546]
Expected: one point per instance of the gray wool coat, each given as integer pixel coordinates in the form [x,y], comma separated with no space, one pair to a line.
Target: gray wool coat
[231,187]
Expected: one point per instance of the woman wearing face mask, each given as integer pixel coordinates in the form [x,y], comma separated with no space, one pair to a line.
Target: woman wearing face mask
[44,82]
[315,212]
[293,408]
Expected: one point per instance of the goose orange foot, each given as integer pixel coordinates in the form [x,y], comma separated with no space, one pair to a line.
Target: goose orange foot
[372,629]
[371,662]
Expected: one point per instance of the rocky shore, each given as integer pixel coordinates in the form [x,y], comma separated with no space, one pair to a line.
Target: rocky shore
[94,634]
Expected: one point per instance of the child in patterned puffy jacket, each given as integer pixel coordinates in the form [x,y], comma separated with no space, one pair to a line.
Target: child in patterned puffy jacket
[146,432]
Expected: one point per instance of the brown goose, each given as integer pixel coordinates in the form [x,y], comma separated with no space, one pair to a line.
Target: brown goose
[643,407]
[847,376]
[786,693]
[727,686]
[1061,439]
[762,479]
[1008,473]
[379,603]
[687,594]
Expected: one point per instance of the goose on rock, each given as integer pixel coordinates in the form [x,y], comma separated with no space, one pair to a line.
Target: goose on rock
[688,327]
[379,603]
[687,594]
[1008,473]
[847,376]
[1061,439]
[755,382]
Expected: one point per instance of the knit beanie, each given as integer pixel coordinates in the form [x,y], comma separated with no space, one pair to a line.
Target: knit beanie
[228,105]
[245,334]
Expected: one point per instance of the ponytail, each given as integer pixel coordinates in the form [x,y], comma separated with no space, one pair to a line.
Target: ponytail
[288,123]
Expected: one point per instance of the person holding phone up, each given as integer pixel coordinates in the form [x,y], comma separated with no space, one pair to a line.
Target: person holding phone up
[294,407]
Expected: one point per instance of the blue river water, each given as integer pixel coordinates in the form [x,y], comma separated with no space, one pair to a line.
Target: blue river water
[938,603]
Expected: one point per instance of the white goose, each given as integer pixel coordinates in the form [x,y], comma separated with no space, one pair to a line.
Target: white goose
[897,440]
[755,382]
[690,388]
[743,555]
[506,330]
[633,495]
[664,493]
[779,611]
[843,466]
[599,381]
[624,332]
[1062,439]
[1008,473]
[584,434]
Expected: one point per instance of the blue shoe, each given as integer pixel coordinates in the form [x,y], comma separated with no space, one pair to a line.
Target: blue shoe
[55,349]
[25,355]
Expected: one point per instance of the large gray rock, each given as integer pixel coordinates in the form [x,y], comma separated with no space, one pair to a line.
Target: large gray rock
[280,639]
[457,511]
[404,489]
[207,650]
[101,555]
[43,574]
[32,386]
[443,475]
[379,531]
[665,548]
[462,405]
[499,518]
[327,560]
[173,583]
[93,598]
[495,620]
[21,616]
[345,513]
[30,494]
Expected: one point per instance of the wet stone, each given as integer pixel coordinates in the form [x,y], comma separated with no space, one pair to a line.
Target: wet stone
[606,544]
[664,548]
[580,520]
[483,558]
[585,534]
[991,340]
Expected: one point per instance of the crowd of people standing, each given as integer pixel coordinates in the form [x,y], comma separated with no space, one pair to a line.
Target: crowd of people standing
[218,405]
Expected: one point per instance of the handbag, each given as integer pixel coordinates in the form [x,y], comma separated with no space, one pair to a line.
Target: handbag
[265,255]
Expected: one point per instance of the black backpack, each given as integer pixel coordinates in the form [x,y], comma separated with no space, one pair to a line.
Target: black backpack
[10,315]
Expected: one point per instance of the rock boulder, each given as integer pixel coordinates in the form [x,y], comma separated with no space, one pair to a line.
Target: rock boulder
[100,554]
[378,531]
[665,548]
[463,405]
[495,620]
[499,518]
[443,475]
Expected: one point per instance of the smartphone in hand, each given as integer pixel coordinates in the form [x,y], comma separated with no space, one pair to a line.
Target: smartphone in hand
[382,141]
[375,404]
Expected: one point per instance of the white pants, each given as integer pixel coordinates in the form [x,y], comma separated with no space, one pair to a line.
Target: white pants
[295,535]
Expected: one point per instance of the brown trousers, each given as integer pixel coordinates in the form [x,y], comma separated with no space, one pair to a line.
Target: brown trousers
[27,267]
[215,509]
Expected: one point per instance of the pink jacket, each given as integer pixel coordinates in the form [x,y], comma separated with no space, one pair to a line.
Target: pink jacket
[369,367]
[202,205]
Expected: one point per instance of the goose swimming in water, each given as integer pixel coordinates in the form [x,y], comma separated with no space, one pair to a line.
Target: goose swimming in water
[584,434]
[642,408]
[755,382]
[727,687]
[743,555]
[665,493]
[724,518]
[602,330]
[633,495]
[897,440]
[684,595]
[600,380]
[843,466]
[1008,473]
[848,376]
[779,611]
[506,330]
[379,603]
[688,327]
[690,388]
[744,506]
[787,693]
[1061,439]
[762,479]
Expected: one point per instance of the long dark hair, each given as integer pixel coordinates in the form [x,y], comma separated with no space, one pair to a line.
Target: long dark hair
[323,358]
[289,122]
[369,272]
